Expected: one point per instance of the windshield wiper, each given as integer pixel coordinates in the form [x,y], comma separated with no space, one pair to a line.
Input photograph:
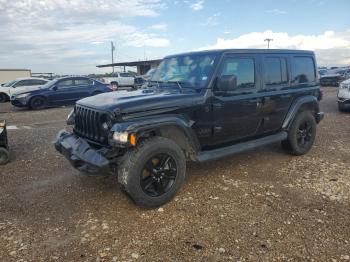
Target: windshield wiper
[177,83]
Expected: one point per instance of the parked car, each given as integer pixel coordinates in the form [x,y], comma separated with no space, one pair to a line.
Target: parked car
[330,79]
[4,153]
[19,85]
[198,106]
[58,92]
[344,95]
[119,80]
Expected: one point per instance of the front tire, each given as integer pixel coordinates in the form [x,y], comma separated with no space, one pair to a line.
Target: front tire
[4,156]
[37,103]
[3,98]
[152,173]
[341,107]
[301,135]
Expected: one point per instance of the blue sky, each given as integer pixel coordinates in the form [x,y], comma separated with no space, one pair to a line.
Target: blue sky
[71,37]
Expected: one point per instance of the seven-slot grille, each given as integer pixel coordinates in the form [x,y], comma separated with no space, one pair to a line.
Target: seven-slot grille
[88,124]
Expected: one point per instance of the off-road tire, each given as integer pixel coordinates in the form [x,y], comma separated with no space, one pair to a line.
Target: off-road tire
[3,98]
[292,144]
[34,103]
[4,156]
[134,161]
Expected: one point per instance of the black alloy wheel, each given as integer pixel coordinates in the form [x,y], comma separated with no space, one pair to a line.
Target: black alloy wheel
[304,133]
[158,175]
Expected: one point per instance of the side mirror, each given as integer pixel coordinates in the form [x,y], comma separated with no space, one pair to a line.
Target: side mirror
[54,88]
[226,83]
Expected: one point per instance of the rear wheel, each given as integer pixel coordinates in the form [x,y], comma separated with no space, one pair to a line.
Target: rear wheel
[301,135]
[3,98]
[37,103]
[152,173]
[4,156]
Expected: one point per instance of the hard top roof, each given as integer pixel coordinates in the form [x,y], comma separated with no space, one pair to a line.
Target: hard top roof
[245,51]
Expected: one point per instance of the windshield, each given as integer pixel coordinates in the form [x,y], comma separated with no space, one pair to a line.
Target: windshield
[10,83]
[192,71]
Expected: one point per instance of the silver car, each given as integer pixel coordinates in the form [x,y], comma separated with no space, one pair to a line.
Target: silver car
[344,95]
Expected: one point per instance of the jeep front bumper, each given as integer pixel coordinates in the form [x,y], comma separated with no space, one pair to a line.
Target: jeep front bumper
[80,154]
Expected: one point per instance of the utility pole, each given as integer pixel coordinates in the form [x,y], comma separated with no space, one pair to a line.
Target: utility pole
[112,49]
[268,42]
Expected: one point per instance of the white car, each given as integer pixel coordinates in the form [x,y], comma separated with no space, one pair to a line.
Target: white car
[20,85]
[119,79]
[344,95]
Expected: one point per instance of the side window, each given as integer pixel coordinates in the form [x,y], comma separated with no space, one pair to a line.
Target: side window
[23,83]
[65,84]
[82,82]
[242,69]
[303,70]
[125,75]
[275,71]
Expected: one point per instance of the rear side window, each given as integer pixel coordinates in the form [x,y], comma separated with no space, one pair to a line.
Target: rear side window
[83,82]
[243,69]
[303,70]
[275,71]
[125,75]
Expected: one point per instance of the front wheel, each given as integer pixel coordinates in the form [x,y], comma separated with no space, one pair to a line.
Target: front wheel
[37,103]
[3,98]
[152,173]
[4,156]
[341,107]
[301,135]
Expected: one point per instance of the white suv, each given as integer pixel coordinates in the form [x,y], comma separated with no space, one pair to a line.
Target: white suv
[19,85]
[119,80]
[344,95]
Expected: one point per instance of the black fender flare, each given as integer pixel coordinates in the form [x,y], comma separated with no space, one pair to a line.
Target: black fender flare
[148,124]
[308,101]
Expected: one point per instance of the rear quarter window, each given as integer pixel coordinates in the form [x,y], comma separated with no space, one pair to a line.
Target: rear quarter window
[303,70]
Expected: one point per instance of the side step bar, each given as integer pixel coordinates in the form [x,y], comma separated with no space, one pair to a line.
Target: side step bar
[240,147]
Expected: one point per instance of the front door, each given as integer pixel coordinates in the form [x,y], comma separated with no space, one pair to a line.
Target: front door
[235,110]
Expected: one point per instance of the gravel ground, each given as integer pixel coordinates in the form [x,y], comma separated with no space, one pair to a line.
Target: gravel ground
[260,205]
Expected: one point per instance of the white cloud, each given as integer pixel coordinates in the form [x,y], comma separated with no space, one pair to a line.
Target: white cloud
[62,33]
[330,47]
[197,5]
[276,12]
[161,27]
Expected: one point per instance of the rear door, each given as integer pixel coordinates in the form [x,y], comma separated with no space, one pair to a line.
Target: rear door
[235,111]
[83,87]
[276,91]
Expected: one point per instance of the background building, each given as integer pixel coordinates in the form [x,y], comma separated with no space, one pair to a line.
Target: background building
[7,75]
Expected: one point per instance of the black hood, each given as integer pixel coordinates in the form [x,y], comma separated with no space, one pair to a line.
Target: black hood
[142,100]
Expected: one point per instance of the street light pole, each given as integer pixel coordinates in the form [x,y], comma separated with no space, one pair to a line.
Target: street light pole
[112,49]
[268,42]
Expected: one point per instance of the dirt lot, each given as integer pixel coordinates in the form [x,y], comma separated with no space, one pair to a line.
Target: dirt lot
[260,205]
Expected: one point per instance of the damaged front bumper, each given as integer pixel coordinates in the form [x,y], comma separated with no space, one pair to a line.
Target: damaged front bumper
[81,155]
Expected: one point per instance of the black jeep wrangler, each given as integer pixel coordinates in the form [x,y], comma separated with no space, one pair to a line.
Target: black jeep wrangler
[198,106]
